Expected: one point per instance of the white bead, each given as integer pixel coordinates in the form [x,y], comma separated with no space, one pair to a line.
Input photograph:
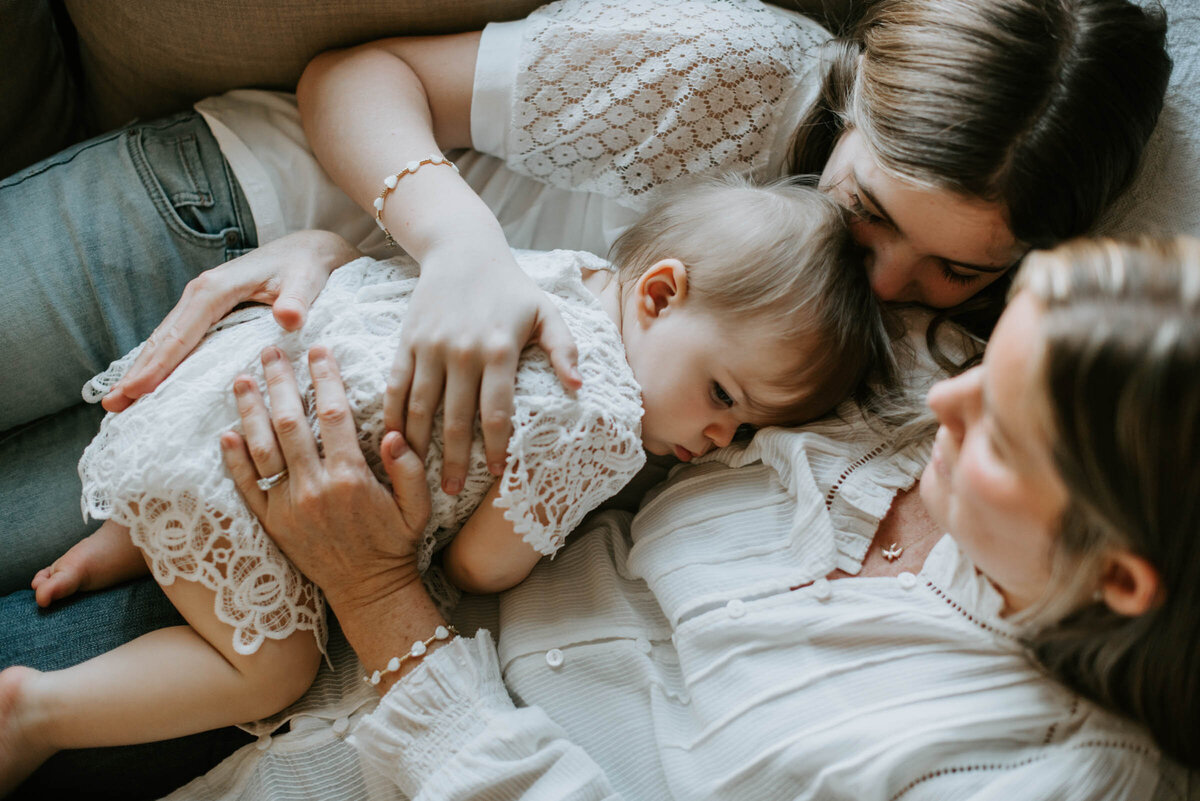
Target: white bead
[418,648]
[390,182]
[440,633]
[393,664]
[378,204]
[375,677]
[412,166]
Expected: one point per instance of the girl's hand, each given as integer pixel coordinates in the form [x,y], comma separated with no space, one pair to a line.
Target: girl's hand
[472,313]
[287,273]
[342,528]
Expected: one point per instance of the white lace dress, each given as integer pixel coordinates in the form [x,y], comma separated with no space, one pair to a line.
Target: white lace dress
[156,468]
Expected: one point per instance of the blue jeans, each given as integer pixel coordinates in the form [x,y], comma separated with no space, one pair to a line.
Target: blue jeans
[96,246]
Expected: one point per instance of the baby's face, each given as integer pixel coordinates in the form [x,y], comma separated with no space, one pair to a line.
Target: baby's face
[701,382]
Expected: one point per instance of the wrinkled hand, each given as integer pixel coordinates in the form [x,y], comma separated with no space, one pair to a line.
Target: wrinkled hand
[460,344]
[287,273]
[330,516]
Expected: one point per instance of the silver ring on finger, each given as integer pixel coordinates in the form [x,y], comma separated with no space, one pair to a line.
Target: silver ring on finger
[265,484]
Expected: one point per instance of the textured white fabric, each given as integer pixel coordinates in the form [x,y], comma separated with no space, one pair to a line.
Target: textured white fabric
[157,468]
[619,98]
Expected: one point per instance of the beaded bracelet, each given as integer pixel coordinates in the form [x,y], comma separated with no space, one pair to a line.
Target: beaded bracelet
[417,651]
[389,183]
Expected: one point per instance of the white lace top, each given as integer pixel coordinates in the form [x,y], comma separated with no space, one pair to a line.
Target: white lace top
[157,468]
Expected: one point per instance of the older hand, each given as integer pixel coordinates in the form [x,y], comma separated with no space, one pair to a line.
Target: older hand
[287,273]
[330,516]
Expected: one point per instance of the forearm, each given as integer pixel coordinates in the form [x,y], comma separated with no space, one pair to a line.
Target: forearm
[368,111]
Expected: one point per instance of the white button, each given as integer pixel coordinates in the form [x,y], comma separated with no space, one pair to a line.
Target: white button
[907,580]
[642,644]
[340,725]
[263,743]
[554,658]
[822,589]
[735,608]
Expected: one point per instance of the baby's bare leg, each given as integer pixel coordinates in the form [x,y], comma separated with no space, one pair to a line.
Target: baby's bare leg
[105,558]
[165,684]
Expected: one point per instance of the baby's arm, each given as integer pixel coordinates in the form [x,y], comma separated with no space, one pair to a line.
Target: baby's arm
[487,555]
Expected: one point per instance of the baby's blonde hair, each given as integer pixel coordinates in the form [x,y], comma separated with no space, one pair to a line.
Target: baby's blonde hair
[777,255]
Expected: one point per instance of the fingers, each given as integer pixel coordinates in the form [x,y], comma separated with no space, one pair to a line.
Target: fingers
[395,402]
[423,398]
[555,338]
[496,409]
[287,415]
[245,476]
[265,455]
[407,472]
[338,433]
[296,294]
[458,421]
[206,299]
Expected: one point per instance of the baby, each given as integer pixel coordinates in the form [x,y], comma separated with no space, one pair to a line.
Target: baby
[726,307]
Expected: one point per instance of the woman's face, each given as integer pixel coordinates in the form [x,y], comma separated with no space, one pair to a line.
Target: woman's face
[991,482]
[925,245]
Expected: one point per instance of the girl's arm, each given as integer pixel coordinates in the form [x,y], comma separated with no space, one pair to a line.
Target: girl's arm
[370,110]
[487,555]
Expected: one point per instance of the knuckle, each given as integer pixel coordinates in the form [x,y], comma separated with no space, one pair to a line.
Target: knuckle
[261,453]
[334,414]
[288,423]
[498,350]
[419,411]
[457,429]
[495,420]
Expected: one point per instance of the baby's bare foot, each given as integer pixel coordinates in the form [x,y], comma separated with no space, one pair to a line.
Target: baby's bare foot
[68,575]
[100,560]
[22,750]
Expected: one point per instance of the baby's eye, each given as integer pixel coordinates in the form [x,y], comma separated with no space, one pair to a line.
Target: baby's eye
[720,396]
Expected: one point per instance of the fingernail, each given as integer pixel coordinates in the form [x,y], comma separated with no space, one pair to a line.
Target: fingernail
[397,446]
[452,486]
[270,354]
[241,387]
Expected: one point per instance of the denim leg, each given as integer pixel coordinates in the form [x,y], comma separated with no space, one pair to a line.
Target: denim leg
[77,629]
[98,243]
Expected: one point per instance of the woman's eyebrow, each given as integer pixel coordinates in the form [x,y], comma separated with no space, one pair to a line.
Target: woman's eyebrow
[882,211]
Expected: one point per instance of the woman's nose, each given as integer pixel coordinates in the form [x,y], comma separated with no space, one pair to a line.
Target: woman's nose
[892,266]
[956,401]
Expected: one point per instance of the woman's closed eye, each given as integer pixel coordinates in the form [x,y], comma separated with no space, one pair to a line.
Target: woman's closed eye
[860,210]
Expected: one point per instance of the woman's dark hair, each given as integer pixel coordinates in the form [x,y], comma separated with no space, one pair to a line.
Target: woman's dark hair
[1121,351]
[1043,106]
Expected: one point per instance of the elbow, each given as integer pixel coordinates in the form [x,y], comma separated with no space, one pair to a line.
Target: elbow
[480,576]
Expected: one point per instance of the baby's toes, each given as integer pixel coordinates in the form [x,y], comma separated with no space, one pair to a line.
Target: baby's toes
[60,581]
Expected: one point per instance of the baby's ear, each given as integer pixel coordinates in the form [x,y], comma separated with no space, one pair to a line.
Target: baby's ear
[662,287]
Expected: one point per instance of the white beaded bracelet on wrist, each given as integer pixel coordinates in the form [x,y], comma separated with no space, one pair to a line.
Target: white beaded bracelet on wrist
[418,650]
[389,183]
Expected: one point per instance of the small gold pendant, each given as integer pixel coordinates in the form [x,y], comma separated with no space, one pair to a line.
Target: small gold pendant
[892,552]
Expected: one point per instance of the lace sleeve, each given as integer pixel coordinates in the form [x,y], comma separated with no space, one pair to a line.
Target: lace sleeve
[570,452]
[618,97]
